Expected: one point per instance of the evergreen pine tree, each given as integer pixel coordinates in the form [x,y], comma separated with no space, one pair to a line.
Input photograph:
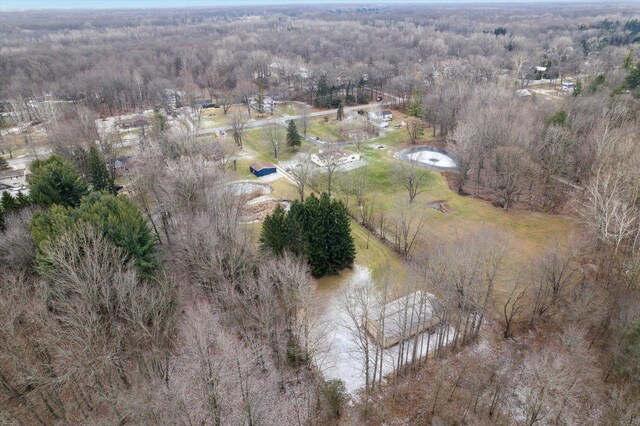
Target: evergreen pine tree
[4,164]
[345,251]
[294,225]
[22,200]
[274,231]
[316,247]
[98,173]
[8,202]
[414,109]
[55,181]
[260,100]
[117,217]
[319,228]
[293,137]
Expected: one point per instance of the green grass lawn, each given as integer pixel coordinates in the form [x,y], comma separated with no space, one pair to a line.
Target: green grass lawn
[526,234]
[215,117]
[326,131]
[294,108]
[256,140]
[242,169]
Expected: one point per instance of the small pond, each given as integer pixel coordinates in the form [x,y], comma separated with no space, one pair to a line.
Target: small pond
[428,156]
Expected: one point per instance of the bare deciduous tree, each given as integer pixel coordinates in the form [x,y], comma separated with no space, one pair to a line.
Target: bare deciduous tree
[238,122]
[274,134]
[406,230]
[302,172]
[411,177]
[607,210]
[462,145]
[414,127]
[513,171]
[513,305]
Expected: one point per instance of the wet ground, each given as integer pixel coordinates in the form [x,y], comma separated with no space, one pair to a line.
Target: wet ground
[339,355]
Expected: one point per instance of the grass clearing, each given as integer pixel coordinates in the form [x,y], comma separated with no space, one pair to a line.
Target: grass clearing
[526,234]
[258,142]
[215,117]
[325,130]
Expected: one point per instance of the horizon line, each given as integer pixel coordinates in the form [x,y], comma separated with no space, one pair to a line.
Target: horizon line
[266,3]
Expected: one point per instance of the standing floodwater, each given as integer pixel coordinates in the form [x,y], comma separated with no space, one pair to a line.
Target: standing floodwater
[427,156]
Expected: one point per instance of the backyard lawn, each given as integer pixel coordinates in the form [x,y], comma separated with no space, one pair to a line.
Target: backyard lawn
[325,130]
[259,142]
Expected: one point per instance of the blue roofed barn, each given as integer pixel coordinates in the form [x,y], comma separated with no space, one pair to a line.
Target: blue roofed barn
[262,168]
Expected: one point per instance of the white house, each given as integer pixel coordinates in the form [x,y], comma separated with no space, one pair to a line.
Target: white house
[385,115]
[13,181]
[334,157]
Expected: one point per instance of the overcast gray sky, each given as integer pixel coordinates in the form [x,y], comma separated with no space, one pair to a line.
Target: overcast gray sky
[104,4]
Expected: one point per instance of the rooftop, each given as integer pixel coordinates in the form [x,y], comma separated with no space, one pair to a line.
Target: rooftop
[259,165]
[134,120]
[404,317]
[13,173]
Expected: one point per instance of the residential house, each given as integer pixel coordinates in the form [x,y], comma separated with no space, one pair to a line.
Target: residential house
[13,181]
[136,121]
[384,115]
[334,157]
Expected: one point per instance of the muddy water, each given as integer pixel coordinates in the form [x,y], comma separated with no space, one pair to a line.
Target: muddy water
[338,355]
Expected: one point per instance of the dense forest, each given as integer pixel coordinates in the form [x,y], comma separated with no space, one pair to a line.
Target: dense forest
[143,293]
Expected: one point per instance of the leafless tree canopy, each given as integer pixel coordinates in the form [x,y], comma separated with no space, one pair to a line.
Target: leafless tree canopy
[538,105]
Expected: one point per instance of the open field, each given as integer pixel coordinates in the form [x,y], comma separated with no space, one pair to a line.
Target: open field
[215,117]
[256,140]
[294,108]
[527,234]
[325,130]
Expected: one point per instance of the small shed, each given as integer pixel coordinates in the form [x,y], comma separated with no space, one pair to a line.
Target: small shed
[262,168]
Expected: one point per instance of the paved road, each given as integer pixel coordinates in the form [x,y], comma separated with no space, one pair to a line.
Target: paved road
[22,162]
[283,120]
